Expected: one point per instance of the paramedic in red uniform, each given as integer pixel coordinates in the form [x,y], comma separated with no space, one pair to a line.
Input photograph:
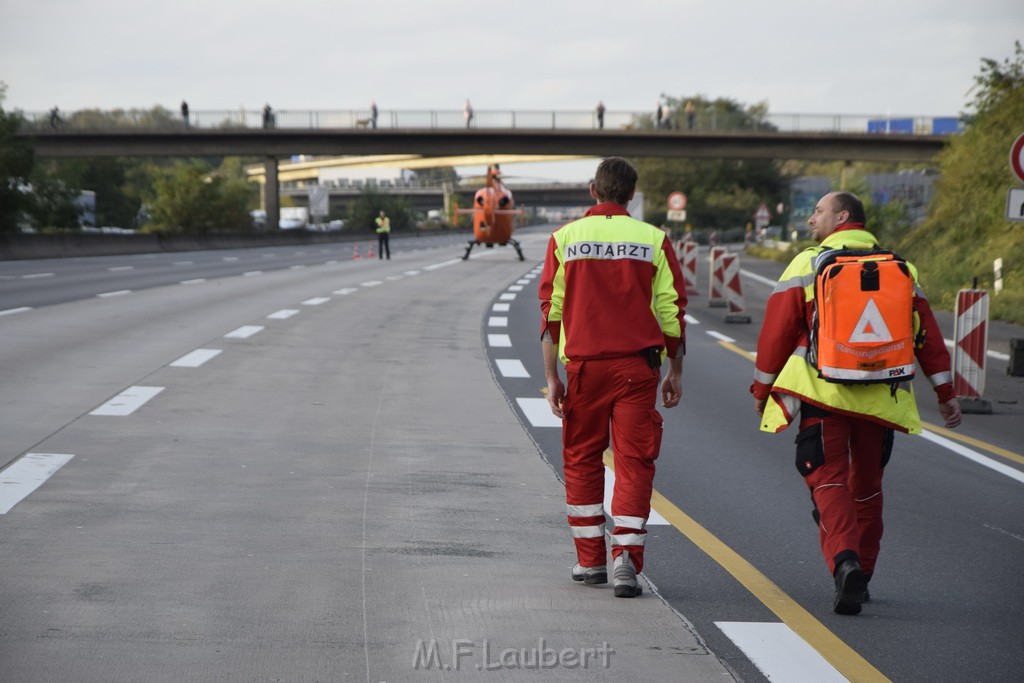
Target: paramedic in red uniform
[613,302]
[846,431]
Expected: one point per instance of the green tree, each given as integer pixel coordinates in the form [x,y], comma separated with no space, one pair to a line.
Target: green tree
[967,227]
[187,198]
[363,211]
[16,160]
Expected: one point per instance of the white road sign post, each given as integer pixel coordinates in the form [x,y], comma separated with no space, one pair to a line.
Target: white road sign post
[762,216]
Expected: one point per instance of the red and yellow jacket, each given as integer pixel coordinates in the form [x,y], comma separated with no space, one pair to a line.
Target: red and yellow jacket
[783,373]
[598,273]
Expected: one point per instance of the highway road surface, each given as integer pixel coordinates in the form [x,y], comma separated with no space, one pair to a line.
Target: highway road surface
[290,464]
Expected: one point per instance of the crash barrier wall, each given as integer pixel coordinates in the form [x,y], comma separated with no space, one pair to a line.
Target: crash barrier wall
[90,244]
[716,285]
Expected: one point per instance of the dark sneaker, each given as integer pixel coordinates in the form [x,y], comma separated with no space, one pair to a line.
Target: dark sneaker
[624,577]
[851,584]
[590,575]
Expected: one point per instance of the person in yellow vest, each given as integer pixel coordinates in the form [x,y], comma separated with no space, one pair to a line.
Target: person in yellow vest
[383,235]
[846,431]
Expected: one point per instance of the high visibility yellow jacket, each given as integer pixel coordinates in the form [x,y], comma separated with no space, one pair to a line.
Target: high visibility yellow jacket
[783,373]
[383,225]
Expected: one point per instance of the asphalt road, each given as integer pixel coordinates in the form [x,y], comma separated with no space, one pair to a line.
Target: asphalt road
[178,539]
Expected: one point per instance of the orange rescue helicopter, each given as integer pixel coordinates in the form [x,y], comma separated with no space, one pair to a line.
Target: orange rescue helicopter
[493,211]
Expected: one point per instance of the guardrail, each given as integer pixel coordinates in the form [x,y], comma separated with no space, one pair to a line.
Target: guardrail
[709,119]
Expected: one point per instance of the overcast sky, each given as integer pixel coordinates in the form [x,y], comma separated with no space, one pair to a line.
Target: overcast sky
[899,57]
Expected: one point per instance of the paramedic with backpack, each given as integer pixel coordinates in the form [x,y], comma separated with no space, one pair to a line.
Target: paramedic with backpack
[845,430]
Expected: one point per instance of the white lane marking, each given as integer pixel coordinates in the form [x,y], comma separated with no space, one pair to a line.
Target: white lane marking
[500,308]
[507,296]
[370,283]
[393,278]
[283,314]
[538,412]
[128,401]
[120,292]
[497,321]
[443,264]
[184,263]
[252,273]
[298,267]
[26,474]
[12,311]
[524,281]
[515,288]
[116,269]
[499,340]
[193,282]
[974,455]
[411,273]
[511,367]
[691,320]
[719,336]
[316,301]
[759,278]
[345,290]
[33,276]
[230,258]
[653,519]
[195,358]
[244,332]
[779,653]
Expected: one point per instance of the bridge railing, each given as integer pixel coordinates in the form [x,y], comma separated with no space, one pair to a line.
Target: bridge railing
[709,119]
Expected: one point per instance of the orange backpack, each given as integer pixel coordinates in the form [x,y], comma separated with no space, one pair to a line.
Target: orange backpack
[862,330]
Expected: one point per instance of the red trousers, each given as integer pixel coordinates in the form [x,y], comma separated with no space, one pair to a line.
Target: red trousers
[614,399]
[842,459]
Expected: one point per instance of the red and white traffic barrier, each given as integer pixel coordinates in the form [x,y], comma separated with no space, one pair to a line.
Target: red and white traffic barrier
[716,287]
[970,349]
[688,261]
[730,264]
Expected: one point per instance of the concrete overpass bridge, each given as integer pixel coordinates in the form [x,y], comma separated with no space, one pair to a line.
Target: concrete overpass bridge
[433,136]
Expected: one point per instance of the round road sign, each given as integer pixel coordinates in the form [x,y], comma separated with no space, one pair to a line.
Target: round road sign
[677,201]
[1016,158]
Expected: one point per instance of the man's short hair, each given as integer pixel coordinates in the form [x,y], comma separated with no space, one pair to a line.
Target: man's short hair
[847,201]
[615,180]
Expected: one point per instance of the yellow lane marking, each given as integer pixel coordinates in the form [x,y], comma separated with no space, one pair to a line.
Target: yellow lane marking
[840,655]
[942,431]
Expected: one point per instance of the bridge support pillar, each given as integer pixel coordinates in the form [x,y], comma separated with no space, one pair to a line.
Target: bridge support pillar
[271,194]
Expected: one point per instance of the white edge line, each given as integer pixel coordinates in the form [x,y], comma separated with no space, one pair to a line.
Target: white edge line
[974,455]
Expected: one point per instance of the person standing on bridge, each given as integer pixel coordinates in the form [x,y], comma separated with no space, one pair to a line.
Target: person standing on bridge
[600,115]
[846,430]
[613,302]
[467,112]
[373,114]
[184,112]
[383,235]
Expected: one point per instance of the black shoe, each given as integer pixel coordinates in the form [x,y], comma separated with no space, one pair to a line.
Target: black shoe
[851,584]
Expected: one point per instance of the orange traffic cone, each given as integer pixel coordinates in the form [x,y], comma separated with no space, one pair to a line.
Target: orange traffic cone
[355,252]
[369,251]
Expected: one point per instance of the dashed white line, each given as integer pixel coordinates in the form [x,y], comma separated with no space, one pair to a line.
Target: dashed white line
[515,288]
[184,263]
[230,258]
[507,296]
[779,652]
[316,301]
[195,358]
[244,332]
[443,264]
[370,283]
[538,412]
[196,281]
[720,337]
[499,340]
[252,273]
[117,269]
[500,308]
[34,276]
[346,290]
[283,314]
[127,402]
[691,320]
[26,474]
[411,273]
[511,367]
[120,292]
[12,311]
[497,321]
